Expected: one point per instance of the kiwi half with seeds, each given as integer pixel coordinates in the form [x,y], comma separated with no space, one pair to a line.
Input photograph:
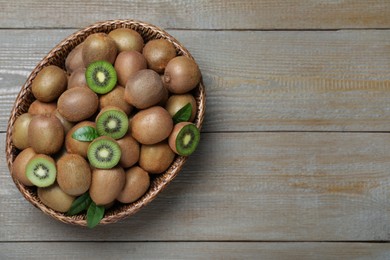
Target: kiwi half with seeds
[41,170]
[104,153]
[184,138]
[112,122]
[101,76]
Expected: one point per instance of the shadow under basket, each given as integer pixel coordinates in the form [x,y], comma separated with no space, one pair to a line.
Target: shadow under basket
[57,57]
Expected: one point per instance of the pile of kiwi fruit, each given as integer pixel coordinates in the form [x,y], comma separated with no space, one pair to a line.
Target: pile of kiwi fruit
[113,117]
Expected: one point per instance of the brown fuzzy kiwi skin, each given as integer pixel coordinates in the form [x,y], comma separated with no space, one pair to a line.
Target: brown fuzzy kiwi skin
[158,53]
[55,198]
[20,131]
[127,39]
[130,149]
[106,184]
[41,108]
[77,79]
[136,184]
[19,166]
[156,158]
[115,98]
[181,75]
[78,104]
[98,46]
[144,89]
[177,102]
[152,125]
[74,146]
[74,60]
[49,83]
[73,174]
[46,134]
[65,123]
[127,63]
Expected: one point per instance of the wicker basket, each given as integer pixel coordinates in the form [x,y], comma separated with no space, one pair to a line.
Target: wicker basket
[57,57]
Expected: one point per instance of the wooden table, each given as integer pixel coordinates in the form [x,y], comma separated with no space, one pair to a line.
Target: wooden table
[294,161]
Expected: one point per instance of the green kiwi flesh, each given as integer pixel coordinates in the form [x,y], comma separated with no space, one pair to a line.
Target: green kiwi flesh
[112,122]
[41,170]
[104,153]
[101,77]
[184,138]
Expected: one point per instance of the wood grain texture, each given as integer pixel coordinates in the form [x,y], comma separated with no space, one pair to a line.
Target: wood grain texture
[194,250]
[289,81]
[245,187]
[218,14]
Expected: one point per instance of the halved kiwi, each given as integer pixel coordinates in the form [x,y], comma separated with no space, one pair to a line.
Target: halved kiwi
[104,153]
[184,138]
[19,166]
[112,122]
[41,170]
[101,76]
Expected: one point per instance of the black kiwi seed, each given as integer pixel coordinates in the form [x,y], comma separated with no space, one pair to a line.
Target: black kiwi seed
[41,170]
[112,122]
[104,153]
[101,77]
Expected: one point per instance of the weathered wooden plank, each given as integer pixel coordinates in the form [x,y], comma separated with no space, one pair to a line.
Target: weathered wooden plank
[257,81]
[219,14]
[249,187]
[194,250]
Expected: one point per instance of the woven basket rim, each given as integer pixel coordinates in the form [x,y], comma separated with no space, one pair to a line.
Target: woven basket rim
[57,56]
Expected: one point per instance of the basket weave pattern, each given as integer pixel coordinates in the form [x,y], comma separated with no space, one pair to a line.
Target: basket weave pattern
[57,57]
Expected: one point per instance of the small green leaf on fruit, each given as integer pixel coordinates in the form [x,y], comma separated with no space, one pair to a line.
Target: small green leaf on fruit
[183,115]
[85,134]
[94,215]
[80,204]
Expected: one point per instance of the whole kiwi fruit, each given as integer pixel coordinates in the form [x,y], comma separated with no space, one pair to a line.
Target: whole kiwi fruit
[45,134]
[156,158]
[181,75]
[158,53]
[49,83]
[127,39]
[74,60]
[136,184]
[152,125]
[77,78]
[55,198]
[115,98]
[20,131]
[130,151]
[74,146]
[78,104]
[42,108]
[177,102]
[144,89]
[106,184]
[19,166]
[98,46]
[73,174]
[127,64]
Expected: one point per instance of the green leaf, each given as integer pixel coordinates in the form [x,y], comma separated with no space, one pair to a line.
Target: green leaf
[86,134]
[79,204]
[94,215]
[183,115]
